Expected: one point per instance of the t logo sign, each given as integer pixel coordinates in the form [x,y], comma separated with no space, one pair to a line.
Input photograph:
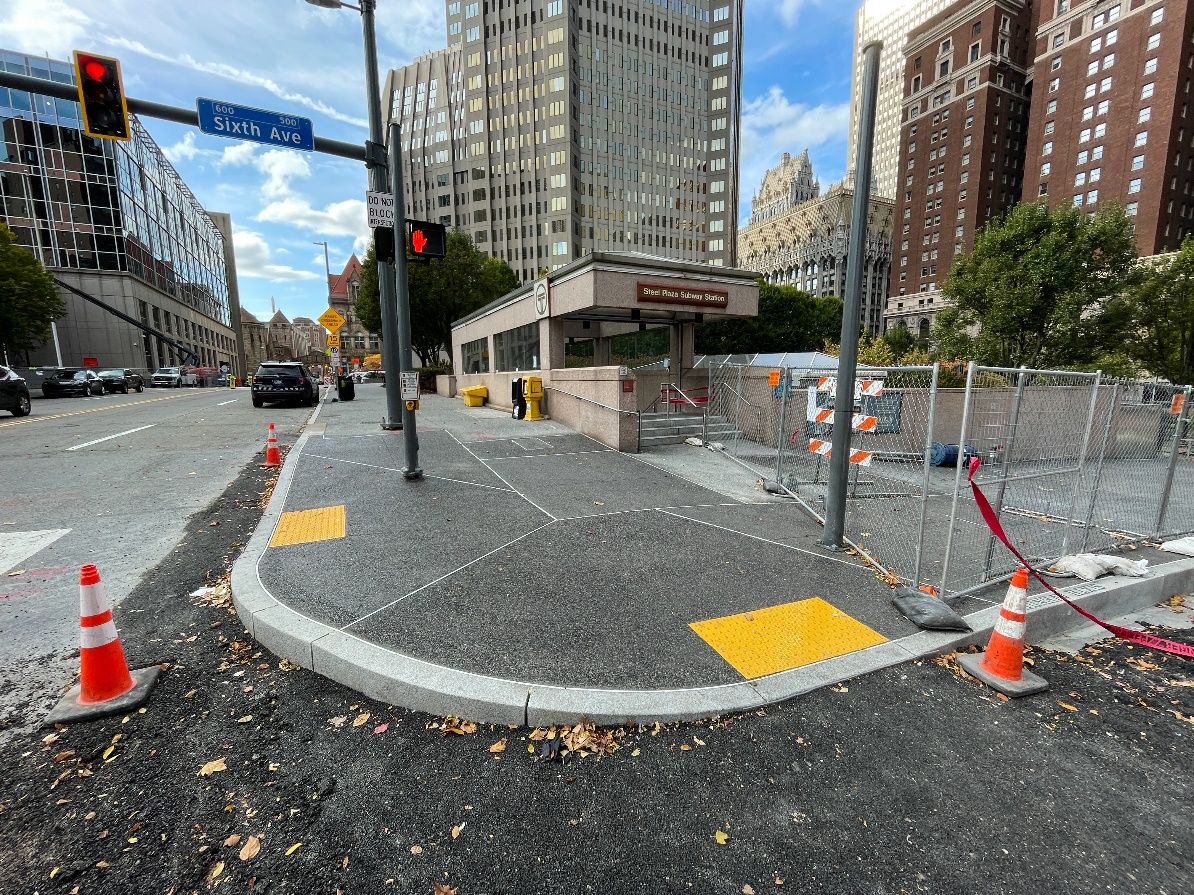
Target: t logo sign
[418,241]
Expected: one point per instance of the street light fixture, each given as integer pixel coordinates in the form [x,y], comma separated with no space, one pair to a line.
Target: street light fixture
[396,351]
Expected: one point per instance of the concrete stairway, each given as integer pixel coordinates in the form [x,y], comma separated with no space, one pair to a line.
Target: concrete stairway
[673,428]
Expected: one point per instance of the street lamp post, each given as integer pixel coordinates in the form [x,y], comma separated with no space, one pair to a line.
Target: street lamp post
[376,163]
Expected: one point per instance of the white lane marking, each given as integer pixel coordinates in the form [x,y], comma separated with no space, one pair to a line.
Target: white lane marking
[392,469]
[561,454]
[233,401]
[17,546]
[79,447]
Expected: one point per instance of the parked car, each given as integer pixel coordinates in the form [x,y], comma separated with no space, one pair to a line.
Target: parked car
[284,381]
[71,381]
[172,377]
[14,393]
[123,381]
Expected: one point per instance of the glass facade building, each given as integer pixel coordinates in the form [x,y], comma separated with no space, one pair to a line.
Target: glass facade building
[110,207]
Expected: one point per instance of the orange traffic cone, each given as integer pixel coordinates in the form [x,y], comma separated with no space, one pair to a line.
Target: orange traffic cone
[273,456]
[1001,667]
[105,684]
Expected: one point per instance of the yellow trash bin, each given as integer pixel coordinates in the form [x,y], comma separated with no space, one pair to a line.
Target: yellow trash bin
[474,395]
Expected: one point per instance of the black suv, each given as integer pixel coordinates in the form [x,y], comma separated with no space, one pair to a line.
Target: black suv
[284,381]
[14,393]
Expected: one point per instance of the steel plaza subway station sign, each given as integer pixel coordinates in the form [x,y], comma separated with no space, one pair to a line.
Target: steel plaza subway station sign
[660,293]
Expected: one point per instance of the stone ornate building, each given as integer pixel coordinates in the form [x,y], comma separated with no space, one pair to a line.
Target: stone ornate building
[799,237]
[278,339]
[355,340]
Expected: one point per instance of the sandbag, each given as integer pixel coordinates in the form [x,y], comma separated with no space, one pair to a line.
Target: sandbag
[1184,546]
[926,611]
[1089,566]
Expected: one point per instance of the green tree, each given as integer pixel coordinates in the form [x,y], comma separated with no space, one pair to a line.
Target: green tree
[788,320]
[1042,288]
[1162,339]
[28,299]
[441,291]
[900,340]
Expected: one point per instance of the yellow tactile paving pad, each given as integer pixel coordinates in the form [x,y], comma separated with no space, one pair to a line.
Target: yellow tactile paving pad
[777,638]
[307,526]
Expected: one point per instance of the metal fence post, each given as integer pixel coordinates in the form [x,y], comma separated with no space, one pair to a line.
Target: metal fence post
[1069,516]
[785,377]
[924,494]
[953,510]
[1098,479]
[1005,464]
[1178,427]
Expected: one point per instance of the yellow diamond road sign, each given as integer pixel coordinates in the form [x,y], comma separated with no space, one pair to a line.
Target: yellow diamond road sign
[331,320]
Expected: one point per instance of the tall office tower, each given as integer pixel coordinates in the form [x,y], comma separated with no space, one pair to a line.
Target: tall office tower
[889,21]
[549,130]
[962,143]
[1111,102]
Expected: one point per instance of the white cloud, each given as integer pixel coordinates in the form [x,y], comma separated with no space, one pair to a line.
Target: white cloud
[184,149]
[772,124]
[252,259]
[788,11]
[239,75]
[238,154]
[415,27]
[344,218]
[280,166]
[44,26]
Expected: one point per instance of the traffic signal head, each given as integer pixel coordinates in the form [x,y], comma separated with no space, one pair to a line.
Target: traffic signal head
[101,97]
[427,240]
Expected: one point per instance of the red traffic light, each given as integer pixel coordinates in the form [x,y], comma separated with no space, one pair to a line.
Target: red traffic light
[418,241]
[101,97]
[427,240]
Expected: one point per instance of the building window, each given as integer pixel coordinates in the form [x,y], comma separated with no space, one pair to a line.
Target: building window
[1046,168]
[1108,61]
[1058,39]
[1137,162]
[1131,208]
[1095,174]
[1090,92]
[1091,67]
[1150,66]
[1104,85]
[1084,135]
[518,348]
[1096,44]
[1134,185]
[1147,90]
[474,356]
[1043,189]
[1145,114]
[1092,197]
[1112,36]
[1047,148]
[1088,112]
[1141,138]
[1096,153]
[1100,130]
[1056,64]
[1078,200]
[1054,84]
[971,83]
[975,49]
[1158,14]
[1048,127]
[1104,105]
[1080,178]
[1154,41]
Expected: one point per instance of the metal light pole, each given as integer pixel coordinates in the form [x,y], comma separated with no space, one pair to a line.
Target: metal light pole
[847,361]
[375,161]
[410,433]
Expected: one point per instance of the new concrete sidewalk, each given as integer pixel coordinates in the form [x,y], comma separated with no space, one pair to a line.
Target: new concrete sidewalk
[536,576]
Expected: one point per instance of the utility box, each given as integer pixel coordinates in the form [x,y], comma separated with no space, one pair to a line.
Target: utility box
[532,390]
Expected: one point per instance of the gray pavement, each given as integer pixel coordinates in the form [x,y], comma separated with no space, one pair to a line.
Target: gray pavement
[533,573]
[110,481]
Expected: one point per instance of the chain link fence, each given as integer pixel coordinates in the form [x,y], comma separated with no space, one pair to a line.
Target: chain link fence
[1073,462]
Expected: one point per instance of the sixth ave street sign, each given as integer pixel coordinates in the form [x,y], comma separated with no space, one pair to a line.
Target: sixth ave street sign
[246,123]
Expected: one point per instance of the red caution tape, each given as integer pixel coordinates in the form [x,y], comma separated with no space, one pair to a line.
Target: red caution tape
[992,520]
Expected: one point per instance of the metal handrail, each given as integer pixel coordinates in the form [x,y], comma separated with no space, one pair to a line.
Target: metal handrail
[636,414]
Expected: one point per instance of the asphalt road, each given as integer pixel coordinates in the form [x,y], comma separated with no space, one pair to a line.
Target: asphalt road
[110,481]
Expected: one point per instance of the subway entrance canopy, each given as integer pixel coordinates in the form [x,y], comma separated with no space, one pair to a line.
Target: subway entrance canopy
[598,297]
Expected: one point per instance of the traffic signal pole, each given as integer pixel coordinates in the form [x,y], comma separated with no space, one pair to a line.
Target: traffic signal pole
[405,364]
[375,160]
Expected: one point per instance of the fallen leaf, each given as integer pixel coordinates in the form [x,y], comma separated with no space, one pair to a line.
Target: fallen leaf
[456,831]
[499,746]
[338,721]
[360,719]
[232,840]
[290,851]
[249,850]
[217,870]
[779,880]
[416,849]
[63,755]
[720,837]
[684,747]
[189,694]
[840,688]
[748,889]
[212,766]
[636,753]
[1068,707]
[244,719]
[696,739]
[382,728]
[15,572]
[444,889]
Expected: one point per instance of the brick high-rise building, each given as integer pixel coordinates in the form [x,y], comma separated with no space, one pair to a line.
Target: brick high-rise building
[1110,117]
[550,130]
[962,143]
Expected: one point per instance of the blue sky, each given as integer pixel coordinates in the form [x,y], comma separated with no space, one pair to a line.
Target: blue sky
[289,56]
